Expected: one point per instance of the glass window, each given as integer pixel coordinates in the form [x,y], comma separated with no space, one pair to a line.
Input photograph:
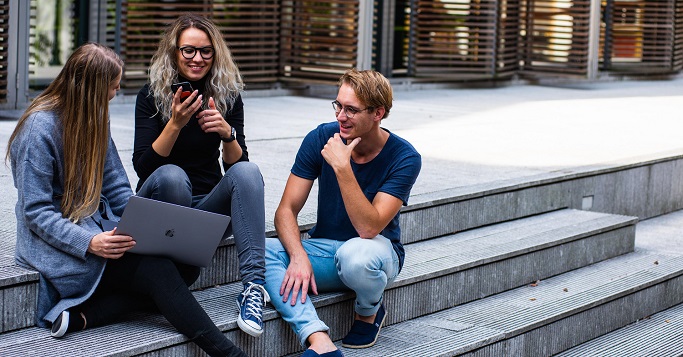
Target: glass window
[52,38]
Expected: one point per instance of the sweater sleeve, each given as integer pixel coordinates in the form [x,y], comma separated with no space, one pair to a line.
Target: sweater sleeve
[115,184]
[147,129]
[235,117]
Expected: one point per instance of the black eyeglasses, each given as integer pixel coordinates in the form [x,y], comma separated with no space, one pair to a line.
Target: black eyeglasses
[190,51]
[350,112]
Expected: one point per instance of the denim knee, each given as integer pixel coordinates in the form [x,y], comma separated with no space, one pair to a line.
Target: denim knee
[364,263]
[171,177]
[354,255]
[247,175]
[168,183]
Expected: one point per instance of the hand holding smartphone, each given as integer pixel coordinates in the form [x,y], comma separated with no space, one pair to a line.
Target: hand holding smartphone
[187,89]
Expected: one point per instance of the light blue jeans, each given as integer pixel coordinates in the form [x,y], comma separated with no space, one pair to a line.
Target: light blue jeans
[365,266]
[239,194]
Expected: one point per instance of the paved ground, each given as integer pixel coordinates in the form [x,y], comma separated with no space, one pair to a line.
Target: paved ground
[467,137]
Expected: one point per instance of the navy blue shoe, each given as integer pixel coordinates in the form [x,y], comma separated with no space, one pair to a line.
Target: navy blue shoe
[310,353]
[363,334]
[250,302]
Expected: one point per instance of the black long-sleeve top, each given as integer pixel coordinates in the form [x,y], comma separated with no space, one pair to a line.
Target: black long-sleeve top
[194,151]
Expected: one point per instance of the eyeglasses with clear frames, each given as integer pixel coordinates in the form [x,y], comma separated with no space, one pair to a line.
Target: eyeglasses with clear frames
[190,51]
[350,112]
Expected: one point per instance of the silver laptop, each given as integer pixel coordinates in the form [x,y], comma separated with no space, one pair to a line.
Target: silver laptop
[184,234]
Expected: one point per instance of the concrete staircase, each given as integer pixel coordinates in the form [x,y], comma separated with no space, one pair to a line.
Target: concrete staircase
[658,335]
[543,318]
[532,268]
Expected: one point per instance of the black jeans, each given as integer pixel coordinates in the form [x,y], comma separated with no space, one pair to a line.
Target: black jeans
[146,283]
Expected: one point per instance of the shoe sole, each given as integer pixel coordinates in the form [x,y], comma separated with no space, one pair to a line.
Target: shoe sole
[381,324]
[243,325]
[63,325]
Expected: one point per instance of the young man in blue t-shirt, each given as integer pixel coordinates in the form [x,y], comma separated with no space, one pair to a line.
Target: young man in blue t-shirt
[365,174]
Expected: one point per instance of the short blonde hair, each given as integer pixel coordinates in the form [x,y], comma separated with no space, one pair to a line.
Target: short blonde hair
[371,88]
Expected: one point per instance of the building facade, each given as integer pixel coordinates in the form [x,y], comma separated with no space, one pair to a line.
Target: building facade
[287,43]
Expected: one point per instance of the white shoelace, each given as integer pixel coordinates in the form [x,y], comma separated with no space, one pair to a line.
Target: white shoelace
[254,304]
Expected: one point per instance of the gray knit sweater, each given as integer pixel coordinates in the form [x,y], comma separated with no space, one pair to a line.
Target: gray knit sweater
[47,242]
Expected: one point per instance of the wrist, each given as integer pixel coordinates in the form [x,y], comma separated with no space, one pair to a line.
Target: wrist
[231,138]
[174,125]
[298,254]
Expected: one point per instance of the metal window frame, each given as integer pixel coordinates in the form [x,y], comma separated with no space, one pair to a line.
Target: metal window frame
[17,64]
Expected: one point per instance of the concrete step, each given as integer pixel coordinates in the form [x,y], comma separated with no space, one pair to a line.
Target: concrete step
[659,335]
[458,268]
[545,318]
[18,291]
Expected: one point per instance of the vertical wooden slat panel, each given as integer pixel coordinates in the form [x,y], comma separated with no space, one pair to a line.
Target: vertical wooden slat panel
[677,62]
[455,38]
[509,41]
[641,35]
[556,34]
[4,55]
[658,34]
[111,24]
[252,30]
[319,39]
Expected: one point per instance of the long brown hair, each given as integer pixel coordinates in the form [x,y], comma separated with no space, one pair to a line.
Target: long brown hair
[224,81]
[80,98]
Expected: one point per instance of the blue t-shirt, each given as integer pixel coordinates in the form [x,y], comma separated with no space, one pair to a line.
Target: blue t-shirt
[393,171]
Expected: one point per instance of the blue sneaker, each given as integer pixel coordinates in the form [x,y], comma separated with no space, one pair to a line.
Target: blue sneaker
[250,302]
[363,334]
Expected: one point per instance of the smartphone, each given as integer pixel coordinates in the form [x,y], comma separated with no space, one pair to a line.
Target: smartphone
[187,89]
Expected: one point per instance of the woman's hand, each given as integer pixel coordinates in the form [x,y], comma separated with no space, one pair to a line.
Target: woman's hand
[211,121]
[110,245]
[182,111]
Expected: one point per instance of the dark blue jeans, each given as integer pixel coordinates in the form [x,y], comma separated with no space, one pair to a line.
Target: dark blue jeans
[239,194]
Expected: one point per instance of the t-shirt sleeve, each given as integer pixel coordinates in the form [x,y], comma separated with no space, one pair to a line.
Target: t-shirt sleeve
[402,176]
[309,160]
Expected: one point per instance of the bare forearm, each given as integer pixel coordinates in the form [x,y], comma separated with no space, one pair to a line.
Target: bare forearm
[363,215]
[289,234]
